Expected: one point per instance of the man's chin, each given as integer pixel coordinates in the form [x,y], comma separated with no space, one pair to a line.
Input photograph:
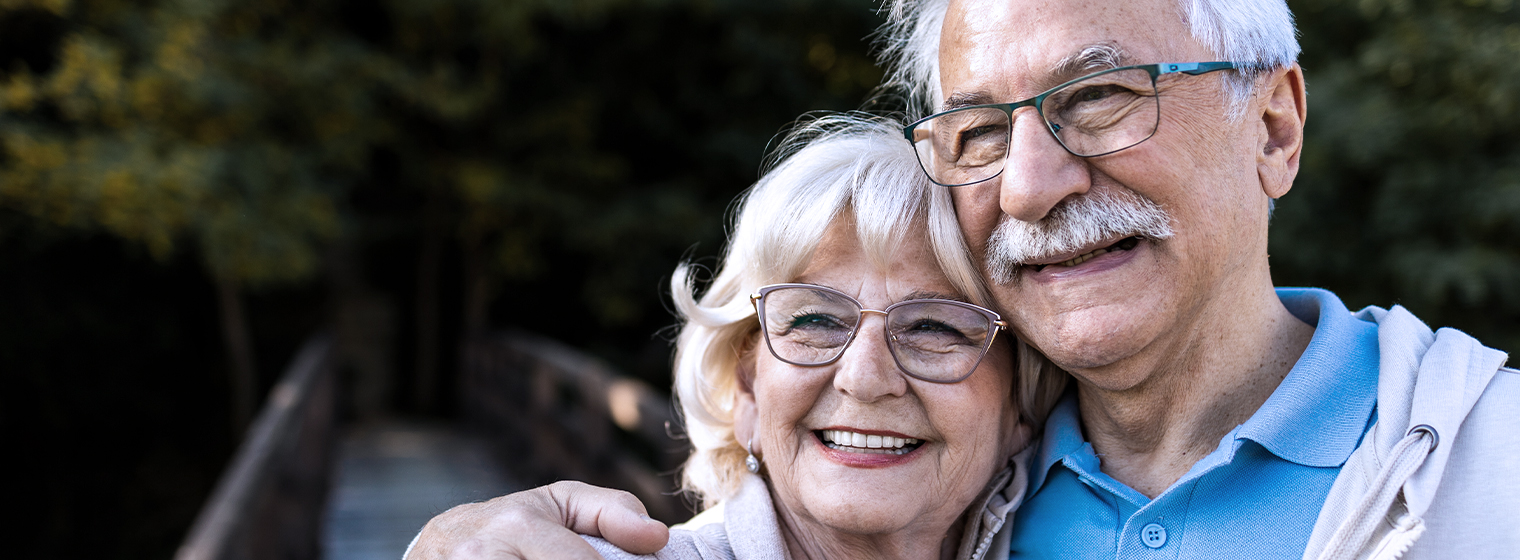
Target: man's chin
[1090,335]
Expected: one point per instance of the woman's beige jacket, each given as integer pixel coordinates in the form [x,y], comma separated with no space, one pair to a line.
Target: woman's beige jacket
[745,526]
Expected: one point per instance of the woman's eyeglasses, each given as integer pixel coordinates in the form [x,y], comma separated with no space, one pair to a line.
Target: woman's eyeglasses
[935,340]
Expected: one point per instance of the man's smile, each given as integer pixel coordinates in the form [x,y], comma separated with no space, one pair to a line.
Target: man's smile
[1068,260]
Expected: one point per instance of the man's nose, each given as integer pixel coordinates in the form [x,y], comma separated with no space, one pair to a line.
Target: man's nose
[1038,173]
[866,372]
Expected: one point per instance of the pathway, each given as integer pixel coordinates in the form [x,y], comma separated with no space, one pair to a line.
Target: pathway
[392,477]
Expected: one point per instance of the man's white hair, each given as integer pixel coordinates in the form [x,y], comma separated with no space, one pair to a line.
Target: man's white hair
[1259,33]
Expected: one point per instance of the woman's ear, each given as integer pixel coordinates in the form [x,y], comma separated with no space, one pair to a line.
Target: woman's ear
[745,414]
[744,421]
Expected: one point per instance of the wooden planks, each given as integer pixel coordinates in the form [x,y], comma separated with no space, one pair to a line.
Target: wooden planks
[392,477]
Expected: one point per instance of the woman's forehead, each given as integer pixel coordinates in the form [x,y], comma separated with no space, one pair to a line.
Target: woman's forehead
[908,270]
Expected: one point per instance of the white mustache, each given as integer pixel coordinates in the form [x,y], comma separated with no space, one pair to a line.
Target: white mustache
[1097,216]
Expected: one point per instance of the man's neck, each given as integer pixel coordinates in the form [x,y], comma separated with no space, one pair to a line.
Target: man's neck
[1203,383]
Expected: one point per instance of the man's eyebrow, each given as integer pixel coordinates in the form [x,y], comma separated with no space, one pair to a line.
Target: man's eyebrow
[1092,58]
[967,99]
[927,294]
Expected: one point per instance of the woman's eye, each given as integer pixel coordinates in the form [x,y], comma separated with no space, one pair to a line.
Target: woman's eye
[933,327]
[814,321]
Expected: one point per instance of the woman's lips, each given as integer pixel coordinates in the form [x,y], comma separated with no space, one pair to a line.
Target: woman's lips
[866,449]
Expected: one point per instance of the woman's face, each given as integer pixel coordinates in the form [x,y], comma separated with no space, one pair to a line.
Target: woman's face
[967,430]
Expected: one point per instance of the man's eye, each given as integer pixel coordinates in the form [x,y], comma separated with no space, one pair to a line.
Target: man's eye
[975,132]
[1097,93]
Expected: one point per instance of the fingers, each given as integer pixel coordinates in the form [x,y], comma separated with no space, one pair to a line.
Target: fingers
[614,515]
[523,526]
[540,524]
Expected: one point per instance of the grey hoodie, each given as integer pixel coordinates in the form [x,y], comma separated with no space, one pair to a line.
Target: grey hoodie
[1438,474]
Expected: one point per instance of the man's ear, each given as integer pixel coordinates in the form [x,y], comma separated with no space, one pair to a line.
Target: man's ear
[1284,109]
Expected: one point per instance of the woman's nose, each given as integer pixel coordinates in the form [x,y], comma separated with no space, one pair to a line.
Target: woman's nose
[1038,173]
[866,372]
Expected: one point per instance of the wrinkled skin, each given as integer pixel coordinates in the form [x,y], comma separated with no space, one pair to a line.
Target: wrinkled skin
[833,509]
[1175,341]
[541,523]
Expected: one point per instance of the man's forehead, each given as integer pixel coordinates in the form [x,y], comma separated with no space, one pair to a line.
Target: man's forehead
[1086,60]
[995,47]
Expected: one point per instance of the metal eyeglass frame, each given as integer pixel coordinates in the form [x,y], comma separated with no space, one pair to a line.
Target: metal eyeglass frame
[996,321]
[1155,70]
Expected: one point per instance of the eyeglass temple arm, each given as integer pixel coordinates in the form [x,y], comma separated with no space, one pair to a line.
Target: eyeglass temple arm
[1195,68]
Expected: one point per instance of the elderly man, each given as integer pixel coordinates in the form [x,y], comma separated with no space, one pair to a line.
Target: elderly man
[1114,166]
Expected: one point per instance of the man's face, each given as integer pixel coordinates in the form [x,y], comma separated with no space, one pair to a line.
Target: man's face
[1138,295]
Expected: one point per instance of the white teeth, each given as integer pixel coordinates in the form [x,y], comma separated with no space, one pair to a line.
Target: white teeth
[861,443]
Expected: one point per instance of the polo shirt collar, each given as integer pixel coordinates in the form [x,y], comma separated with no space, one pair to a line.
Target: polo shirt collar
[1320,411]
[1062,439]
[1315,418]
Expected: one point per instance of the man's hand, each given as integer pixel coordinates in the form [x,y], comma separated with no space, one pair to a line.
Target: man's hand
[541,524]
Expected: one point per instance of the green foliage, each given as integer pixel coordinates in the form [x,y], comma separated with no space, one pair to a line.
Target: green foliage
[608,129]
[1410,186]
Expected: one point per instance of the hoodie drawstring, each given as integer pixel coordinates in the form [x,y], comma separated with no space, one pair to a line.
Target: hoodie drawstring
[1406,458]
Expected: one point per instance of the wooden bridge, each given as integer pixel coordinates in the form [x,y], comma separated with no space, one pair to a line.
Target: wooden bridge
[302,485]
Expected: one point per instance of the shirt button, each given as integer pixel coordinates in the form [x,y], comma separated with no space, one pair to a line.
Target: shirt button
[1153,535]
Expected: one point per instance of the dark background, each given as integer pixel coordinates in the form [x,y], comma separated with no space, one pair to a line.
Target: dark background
[437,168]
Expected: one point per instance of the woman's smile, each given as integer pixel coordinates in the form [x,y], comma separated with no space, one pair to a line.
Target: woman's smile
[852,442]
[866,448]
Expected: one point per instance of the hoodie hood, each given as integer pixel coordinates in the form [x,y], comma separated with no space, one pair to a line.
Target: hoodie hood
[1428,384]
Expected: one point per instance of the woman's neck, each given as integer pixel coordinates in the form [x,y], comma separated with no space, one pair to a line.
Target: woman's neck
[807,539]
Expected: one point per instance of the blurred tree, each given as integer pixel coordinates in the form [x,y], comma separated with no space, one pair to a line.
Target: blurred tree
[1410,187]
[178,122]
[551,159]
[590,128]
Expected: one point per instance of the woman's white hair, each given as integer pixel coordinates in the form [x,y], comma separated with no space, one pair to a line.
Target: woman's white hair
[827,169]
[1257,32]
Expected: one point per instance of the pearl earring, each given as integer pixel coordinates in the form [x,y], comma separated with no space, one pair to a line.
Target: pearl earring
[750,462]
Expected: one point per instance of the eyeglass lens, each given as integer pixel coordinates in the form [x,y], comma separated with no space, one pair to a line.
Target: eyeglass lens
[1097,115]
[937,341]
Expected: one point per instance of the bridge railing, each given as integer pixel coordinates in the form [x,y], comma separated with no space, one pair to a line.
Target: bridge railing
[556,413]
[268,502]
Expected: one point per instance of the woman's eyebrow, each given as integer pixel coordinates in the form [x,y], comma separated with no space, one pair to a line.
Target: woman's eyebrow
[927,294]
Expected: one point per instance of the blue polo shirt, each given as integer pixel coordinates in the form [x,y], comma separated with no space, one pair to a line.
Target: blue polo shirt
[1256,496]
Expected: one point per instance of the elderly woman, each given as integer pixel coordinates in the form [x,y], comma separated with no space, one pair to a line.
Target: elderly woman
[844,394]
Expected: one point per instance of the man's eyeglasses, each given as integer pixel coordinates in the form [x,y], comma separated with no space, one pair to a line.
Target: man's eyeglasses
[935,340]
[1097,114]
